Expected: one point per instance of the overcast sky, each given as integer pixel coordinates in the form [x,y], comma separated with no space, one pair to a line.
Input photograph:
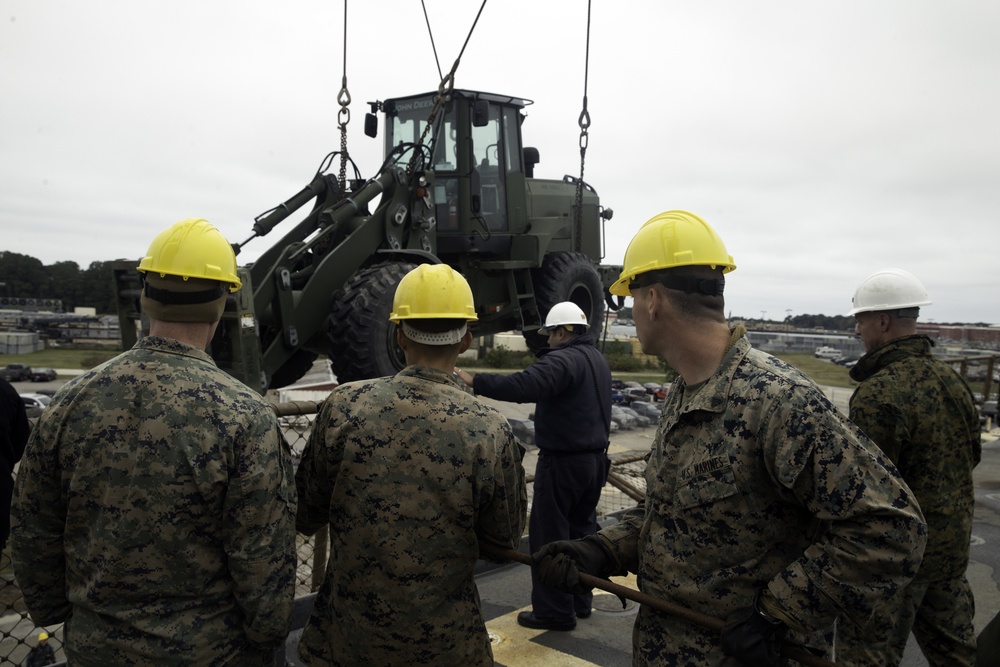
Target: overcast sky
[822,140]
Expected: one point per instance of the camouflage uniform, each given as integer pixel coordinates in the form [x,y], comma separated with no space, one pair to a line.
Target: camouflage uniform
[755,481]
[921,414]
[154,514]
[413,474]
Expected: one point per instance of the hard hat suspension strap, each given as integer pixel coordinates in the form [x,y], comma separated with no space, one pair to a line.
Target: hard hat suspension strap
[170,298]
[686,284]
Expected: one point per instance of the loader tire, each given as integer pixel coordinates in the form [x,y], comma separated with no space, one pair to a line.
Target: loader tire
[567,276]
[292,371]
[362,340]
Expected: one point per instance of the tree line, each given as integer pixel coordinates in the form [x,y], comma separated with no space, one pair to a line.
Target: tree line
[26,277]
[824,322]
[23,276]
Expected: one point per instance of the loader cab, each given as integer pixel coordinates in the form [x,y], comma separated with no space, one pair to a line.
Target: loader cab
[474,145]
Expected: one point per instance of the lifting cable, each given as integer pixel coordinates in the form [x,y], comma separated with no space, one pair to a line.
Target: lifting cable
[584,123]
[427,20]
[447,82]
[344,116]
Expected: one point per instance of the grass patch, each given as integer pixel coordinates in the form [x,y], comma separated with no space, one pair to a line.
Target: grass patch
[55,357]
[821,371]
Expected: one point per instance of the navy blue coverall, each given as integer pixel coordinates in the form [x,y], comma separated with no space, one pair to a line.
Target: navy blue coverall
[572,438]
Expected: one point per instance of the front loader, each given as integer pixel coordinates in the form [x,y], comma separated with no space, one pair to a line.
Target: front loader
[455,187]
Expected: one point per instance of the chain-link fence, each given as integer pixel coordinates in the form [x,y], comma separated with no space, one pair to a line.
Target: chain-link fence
[18,634]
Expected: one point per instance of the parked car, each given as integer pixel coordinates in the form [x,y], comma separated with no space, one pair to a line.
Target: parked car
[988,410]
[618,398]
[524,430]
[633,394]
[43,375]
[661,393]
[640,420]
[651,387]
[626,422]
[35,404]
[16,372]
[648,410]
[617,384]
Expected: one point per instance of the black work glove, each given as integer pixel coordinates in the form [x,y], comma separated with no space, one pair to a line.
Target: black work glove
[753,638]
[560,563]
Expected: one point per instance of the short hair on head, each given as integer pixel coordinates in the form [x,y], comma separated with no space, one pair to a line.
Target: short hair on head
[172,298]
[696,291]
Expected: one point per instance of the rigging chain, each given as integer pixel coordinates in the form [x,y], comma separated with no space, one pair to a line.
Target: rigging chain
[584,123]
[445,87]
[344,116]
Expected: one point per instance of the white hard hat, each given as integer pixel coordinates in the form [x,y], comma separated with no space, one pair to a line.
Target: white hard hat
[889,289]
[564,313]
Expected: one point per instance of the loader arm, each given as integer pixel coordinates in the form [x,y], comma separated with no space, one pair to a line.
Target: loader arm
[293,290]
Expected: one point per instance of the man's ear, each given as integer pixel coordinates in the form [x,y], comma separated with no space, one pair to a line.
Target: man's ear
[401,338]
[655,303]
[466,342]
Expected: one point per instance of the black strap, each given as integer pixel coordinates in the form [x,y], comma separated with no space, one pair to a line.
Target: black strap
[686,284]
[169,298]
[689,285]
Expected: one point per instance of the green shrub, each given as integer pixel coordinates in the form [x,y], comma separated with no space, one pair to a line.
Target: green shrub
[499,357]
[616,347]
[624,363]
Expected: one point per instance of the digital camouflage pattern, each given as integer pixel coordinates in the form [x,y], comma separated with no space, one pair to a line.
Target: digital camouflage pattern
[757,482]
[921,413]
[154,514]
[413,474]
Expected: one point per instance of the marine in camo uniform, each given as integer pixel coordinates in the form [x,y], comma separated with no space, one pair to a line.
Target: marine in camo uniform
[413,475]
[921,413]
[763,505]
[154,508]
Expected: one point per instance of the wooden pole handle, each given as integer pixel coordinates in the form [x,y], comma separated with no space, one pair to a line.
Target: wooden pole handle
[696,617]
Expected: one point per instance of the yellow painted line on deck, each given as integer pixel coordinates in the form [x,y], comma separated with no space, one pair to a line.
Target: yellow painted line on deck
[513,645]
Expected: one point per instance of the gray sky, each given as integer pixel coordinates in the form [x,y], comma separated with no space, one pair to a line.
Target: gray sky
[822,140]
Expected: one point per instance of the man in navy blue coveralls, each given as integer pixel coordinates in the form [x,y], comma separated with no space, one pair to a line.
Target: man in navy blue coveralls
[571,386]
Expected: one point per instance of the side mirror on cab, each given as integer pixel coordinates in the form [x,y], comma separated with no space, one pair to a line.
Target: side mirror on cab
[480,113]
[371,125]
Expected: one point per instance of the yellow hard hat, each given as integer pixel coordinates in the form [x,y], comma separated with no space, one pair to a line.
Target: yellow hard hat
[42,636]
[433,291]
[669,240]
[192,248]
